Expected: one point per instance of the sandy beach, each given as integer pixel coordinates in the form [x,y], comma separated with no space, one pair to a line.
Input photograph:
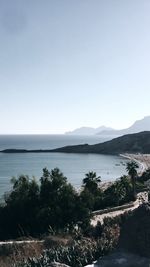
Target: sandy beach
[142,159]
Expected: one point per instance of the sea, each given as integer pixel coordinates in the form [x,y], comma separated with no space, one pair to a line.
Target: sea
[73,166]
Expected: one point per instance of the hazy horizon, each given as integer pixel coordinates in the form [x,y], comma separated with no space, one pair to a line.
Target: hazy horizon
[69,131]
[66,64]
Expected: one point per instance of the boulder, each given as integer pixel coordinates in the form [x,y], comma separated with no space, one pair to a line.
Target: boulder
[122,259]
[135,233]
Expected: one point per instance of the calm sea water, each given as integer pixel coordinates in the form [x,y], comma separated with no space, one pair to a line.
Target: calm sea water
[74,166]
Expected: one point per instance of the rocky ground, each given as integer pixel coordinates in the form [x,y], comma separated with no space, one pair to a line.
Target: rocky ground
[122,259]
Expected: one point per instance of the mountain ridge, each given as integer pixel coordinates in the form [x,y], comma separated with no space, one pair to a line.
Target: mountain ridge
[138,126]
[130,143]
[88,130]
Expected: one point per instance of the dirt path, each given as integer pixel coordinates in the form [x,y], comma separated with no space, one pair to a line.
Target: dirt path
[20,242]
[141,198]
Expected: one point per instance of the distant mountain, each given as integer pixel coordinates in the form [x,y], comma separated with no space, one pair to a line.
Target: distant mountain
[138,126]
[89,130]
[131,143]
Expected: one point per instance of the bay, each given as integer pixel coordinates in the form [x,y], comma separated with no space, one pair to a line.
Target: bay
[74,166]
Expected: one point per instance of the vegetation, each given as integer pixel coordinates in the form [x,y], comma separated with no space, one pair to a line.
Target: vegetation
[83,250]
[130,143]
[119,193]
[53,206]
[132,171]
[145,176]
[91,181]
[33,208]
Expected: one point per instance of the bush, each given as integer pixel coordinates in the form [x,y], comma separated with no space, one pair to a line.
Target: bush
[79,254]
[31,209]
[119,193]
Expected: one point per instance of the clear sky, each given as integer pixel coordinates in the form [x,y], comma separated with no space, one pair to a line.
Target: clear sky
[71,63]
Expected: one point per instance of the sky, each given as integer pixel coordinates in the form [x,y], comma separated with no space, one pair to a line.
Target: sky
[71,63]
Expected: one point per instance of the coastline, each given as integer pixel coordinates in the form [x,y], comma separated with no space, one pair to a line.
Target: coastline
[143,160]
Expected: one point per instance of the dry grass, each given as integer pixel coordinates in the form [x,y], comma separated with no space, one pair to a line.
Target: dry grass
[10,254]
[13,253]
[55,241]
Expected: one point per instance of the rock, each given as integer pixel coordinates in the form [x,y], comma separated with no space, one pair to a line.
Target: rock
[123,259]
[135,233]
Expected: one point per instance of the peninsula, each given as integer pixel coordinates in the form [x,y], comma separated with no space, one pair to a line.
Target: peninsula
[130,143]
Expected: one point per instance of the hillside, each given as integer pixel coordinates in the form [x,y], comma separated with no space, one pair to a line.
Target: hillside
[131,143]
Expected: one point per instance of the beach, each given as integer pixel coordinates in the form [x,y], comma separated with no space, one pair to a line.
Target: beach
[143,160]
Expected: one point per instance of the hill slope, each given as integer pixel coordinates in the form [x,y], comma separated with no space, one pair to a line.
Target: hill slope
[131,143]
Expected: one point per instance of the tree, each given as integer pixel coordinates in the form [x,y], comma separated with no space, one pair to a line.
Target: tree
[119,192]
[51,184]
[132,171]
[31,208]
[91,181]
[61,206]
[21,206]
